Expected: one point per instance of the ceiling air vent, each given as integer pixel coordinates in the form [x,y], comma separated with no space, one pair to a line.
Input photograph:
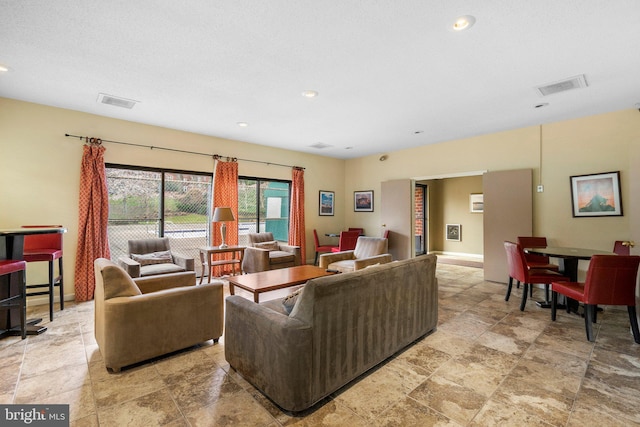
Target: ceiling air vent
[116,101]
[320,145]
[576,82]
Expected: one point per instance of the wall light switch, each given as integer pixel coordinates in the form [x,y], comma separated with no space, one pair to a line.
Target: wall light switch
[540,188]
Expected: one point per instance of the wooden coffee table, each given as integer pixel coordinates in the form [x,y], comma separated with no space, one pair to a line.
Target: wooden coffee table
[272,280]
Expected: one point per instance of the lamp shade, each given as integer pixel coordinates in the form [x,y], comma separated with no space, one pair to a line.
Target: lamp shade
[223,214]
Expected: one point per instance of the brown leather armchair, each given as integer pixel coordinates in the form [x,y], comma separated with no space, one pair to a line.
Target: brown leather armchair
[264,253]
[150,257]
[368,251]
[136,320]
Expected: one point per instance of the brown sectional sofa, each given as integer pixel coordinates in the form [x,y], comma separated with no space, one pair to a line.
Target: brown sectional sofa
[340,326]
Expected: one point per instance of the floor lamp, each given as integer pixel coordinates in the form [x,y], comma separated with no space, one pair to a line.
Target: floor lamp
[222,215]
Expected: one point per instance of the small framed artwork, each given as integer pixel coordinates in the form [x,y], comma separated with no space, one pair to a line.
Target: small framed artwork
[363,201]
[596,195]
[452,232]
[327,203]
[476,202]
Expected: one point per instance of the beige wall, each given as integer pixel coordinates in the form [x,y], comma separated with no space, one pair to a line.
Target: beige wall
[39,169]
[593,144]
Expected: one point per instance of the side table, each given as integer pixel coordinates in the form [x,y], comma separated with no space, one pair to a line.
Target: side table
[207,258]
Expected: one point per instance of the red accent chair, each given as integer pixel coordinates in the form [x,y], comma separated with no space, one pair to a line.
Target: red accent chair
[9,267]
[518,270]
[622,248]
[611,280]
[385,235]
[320,248]
[46,247]
[348,240]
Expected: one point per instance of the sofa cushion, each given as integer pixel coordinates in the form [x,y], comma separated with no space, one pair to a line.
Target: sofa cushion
[117,283]
[290,300]
[162,257]
[270,246]
[153,269]
[281,257]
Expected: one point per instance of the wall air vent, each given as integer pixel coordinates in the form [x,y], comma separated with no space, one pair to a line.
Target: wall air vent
[116,101]
[575,82]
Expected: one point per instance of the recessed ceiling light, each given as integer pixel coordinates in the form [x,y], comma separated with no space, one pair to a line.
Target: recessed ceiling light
[464,23]
[3,68]
[309,93]
[243,124]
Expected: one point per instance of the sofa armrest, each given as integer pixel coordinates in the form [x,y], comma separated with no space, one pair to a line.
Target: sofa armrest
[270,349]
[161,282]
[326,259]
[183,261]
[255,260]
[292,249]
[359,264]
[130,266]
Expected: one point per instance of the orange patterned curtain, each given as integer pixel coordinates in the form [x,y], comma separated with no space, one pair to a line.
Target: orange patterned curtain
[225,194]
[93,219]
[296,216]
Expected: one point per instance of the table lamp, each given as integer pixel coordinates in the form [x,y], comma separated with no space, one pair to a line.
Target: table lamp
[222,215]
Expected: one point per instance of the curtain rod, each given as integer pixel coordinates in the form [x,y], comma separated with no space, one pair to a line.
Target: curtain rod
[215,156]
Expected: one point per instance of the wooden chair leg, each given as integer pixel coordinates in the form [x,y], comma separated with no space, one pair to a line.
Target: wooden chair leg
[525,290]
[633,319]
[61,284]
[588,321]
[52,289]
[554,303]
[506,298]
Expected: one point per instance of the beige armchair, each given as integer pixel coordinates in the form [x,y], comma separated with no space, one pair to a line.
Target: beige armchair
[264,253]
[136,320]
[368,251]
[150,257]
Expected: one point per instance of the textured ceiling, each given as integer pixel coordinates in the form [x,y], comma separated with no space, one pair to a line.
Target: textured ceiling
[390,74]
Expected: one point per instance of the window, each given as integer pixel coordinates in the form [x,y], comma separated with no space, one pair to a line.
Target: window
[263,205]
[147,202]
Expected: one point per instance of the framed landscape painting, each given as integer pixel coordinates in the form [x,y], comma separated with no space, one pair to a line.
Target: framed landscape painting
[596,195]
[327,203]
[363,201]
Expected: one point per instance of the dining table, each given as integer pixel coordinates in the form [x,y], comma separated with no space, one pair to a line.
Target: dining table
[12,247]
[568,259]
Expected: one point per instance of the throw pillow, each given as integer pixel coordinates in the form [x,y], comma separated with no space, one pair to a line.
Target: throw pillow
[270,246]
[289,301]
[162,257]
[117,283]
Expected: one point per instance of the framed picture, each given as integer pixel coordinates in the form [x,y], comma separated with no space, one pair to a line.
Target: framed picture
[363,201]
[596,195]
[476,202]
[327,203]
[452,232]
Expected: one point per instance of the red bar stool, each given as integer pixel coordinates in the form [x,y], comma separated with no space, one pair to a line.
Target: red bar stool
[9,267]
[46,247]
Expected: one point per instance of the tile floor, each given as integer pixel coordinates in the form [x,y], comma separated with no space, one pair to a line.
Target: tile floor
[487,364]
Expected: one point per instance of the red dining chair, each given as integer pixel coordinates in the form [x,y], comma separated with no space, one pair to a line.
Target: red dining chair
[518,270]
[8,267]
[46,247]
[320,248]
[359,230]
[611,280]
[534,260]
[348,240]
[621,247]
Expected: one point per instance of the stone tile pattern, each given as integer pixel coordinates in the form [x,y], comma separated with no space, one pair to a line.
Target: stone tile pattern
[487,364]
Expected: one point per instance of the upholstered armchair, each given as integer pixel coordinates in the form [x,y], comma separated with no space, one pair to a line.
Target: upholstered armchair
[139,319]
[264,253]
[150,257]
[368,251]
